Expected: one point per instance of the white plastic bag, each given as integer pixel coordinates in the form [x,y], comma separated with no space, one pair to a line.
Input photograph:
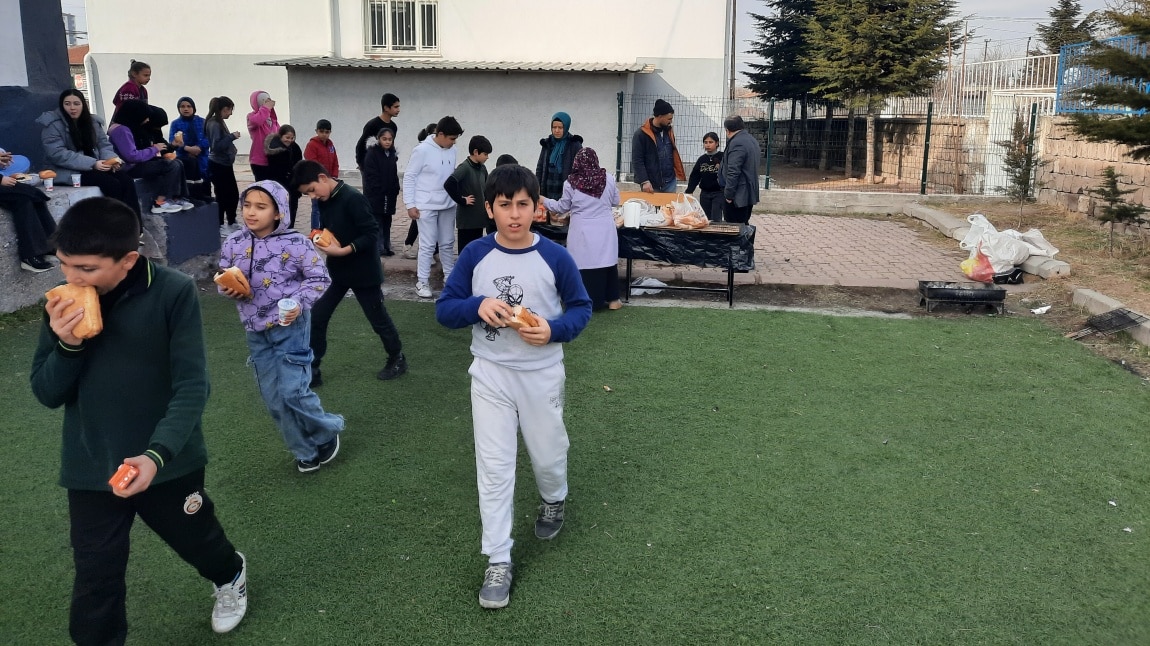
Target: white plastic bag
[1003,251]
[1038,244]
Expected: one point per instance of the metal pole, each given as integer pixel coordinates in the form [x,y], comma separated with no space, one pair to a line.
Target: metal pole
[734,22]
[926,148]
[770,140]
[619,140]
[1030,144]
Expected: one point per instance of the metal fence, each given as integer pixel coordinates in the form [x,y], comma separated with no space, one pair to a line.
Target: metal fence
[916,149]
[1074,75]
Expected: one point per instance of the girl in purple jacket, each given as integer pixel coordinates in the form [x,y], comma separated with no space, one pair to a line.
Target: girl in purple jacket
[281,263]
[131,137]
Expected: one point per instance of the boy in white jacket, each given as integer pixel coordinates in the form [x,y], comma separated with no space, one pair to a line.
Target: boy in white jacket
[431,164]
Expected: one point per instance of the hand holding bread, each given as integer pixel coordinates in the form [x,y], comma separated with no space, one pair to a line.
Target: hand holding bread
[74,312]
[234,283]
[325,239]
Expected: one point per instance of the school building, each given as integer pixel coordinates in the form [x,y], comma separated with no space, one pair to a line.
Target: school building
[502,67]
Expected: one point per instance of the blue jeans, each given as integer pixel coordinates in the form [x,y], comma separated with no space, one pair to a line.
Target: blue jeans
[282,360]
[315,223]
[671,187]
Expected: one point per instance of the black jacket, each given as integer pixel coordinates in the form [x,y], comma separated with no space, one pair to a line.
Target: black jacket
[380,174]
[347,214]
[705,174]
[574,145]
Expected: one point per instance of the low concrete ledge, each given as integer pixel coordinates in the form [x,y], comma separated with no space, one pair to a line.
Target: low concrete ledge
[1045,267]
[946,223]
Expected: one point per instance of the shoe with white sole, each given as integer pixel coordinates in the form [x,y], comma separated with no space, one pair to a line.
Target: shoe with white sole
[423,290]
[496,589]
[231,601]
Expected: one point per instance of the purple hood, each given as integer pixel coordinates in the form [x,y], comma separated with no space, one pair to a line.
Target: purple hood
[282,264]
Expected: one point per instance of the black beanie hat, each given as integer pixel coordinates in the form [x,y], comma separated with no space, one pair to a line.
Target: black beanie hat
[662,107]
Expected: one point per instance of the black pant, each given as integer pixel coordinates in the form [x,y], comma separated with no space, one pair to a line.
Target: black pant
[383,206]
[463,236]
[712,203]
[602,285]
[30,218]
[227,193]
[100,531]
[261,172]
[732,213]
[370,299]
[412,233]
[117,185]
[163,177]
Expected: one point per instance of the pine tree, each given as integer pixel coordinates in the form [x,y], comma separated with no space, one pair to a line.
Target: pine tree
[1116,209]
[1132,129]
[1065,28]
[862,52]
[782,45]
[1021,163]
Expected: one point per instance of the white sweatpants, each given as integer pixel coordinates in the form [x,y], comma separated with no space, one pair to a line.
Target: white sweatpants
[502,401]
[436,227]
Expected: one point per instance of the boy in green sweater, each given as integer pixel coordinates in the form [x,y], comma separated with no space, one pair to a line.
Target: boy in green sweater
[465,186]
[133,394]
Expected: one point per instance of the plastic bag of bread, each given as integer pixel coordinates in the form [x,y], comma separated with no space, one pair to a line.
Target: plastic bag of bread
[687,213]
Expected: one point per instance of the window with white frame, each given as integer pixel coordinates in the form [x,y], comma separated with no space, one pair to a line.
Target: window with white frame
[401,26]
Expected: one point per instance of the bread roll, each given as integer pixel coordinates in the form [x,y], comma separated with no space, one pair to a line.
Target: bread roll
[522,317]
[234,279]
[47,174]
[325,239]
[87,298]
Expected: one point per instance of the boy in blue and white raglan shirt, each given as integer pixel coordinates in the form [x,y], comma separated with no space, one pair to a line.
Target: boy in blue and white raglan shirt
[517,376]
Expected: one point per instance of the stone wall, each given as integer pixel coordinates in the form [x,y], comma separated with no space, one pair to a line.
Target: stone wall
[1075,166]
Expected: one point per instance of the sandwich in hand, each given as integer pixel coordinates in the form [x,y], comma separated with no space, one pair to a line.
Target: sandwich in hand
[87,298]
[522,317]
[325,239]
[113,161]
[234,279]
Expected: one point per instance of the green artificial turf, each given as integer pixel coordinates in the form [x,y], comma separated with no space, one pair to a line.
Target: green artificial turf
[736,477]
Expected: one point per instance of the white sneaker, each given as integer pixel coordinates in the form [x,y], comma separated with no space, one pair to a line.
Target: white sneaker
[411,252]
[423,290]
[225,230]
[183,204]
[231,601]
[165,207]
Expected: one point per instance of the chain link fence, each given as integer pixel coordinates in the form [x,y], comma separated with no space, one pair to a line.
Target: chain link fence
[807,146]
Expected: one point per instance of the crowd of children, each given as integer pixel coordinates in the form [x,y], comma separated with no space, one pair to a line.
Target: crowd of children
[286,297]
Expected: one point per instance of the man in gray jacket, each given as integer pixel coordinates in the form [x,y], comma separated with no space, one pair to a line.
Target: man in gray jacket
[740,171]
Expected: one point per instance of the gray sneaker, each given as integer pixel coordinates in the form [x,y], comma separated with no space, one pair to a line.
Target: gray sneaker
[550,520]
[496,589]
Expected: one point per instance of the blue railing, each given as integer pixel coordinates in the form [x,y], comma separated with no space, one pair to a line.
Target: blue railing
[1074,75]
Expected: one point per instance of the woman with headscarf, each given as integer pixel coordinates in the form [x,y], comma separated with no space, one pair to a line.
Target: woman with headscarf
[132,134]
[557,156]
[190,141]
[588,195]
[75,142]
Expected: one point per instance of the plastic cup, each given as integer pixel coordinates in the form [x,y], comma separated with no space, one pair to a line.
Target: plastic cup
[48,184]
[286,305]
[76,180]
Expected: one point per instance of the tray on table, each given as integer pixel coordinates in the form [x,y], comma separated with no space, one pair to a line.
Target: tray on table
[718,228]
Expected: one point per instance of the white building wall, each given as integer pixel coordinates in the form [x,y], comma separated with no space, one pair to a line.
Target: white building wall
[684,39]
[512,110]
